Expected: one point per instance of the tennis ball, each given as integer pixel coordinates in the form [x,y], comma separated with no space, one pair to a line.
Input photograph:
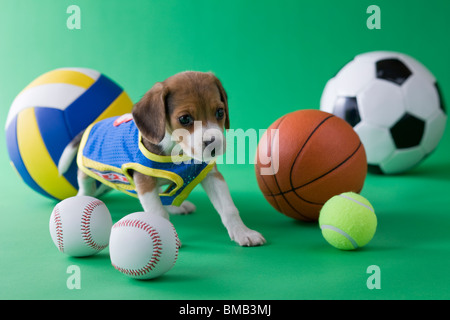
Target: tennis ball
[348,221]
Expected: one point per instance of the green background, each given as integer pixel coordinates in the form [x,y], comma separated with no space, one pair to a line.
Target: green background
[273,57]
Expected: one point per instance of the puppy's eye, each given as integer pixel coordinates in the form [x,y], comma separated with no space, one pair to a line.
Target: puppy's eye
[220,113]
[186,120]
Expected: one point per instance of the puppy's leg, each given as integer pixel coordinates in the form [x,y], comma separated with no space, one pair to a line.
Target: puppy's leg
[148,193]
[101,190]
[185,208]
[219,194]
[86,184]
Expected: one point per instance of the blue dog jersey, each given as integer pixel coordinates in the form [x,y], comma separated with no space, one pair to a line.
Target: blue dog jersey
[112,147]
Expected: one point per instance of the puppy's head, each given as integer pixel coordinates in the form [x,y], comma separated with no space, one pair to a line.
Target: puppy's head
[190,108]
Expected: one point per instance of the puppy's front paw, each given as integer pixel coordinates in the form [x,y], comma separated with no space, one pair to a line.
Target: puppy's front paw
[247,238]
[185,208]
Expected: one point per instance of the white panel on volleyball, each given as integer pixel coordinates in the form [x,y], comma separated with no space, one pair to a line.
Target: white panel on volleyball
[94,74]
[53,95]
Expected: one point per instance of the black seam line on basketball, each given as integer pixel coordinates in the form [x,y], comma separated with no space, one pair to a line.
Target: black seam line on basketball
[271,147]
[294,189]
[282,193]
[262,177]
[267,187]
[348,158]
[301,149]
[275,176]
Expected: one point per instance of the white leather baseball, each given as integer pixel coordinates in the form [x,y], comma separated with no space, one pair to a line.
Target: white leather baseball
[80,226]
[143,245]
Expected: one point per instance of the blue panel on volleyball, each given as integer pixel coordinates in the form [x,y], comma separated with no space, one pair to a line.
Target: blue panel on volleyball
[72,175]
[93,102]
[53,130]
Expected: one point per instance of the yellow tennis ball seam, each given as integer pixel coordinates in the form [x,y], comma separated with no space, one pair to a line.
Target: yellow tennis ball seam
[369,207]
[342,195]
[343,233]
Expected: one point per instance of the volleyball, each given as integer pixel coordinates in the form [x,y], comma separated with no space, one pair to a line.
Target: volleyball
[49,113]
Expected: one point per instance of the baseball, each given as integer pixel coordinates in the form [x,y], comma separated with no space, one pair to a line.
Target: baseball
[80,226]
[143,245]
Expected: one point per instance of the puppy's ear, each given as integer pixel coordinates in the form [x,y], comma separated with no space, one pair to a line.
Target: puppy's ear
[224,99]
[149,113]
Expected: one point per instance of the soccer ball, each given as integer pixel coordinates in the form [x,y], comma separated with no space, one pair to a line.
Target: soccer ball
[394,104]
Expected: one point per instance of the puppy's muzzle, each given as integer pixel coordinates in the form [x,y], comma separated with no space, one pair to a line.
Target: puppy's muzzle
[207,143]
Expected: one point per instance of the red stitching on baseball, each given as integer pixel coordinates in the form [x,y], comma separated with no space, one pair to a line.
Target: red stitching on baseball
[86,225]
[59,229]
[157,247]
[177,243]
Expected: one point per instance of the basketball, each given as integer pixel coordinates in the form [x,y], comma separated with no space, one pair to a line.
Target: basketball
[305,158]
[50,112]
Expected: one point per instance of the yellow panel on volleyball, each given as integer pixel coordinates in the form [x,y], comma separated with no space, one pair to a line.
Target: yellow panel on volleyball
[121,105]
[72,77]
[38,161]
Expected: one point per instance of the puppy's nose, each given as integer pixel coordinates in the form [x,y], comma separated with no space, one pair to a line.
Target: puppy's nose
[207,143]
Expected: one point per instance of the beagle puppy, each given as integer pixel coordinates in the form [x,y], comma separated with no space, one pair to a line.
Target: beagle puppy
[171,139]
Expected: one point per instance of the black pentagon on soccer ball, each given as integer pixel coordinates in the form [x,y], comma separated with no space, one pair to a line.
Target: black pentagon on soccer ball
[408,131]
[441,99]
[392,70]
[347,109]
[374,168]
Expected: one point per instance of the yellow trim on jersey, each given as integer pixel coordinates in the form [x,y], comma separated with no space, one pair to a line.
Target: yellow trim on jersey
[157,157]
[187,190]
